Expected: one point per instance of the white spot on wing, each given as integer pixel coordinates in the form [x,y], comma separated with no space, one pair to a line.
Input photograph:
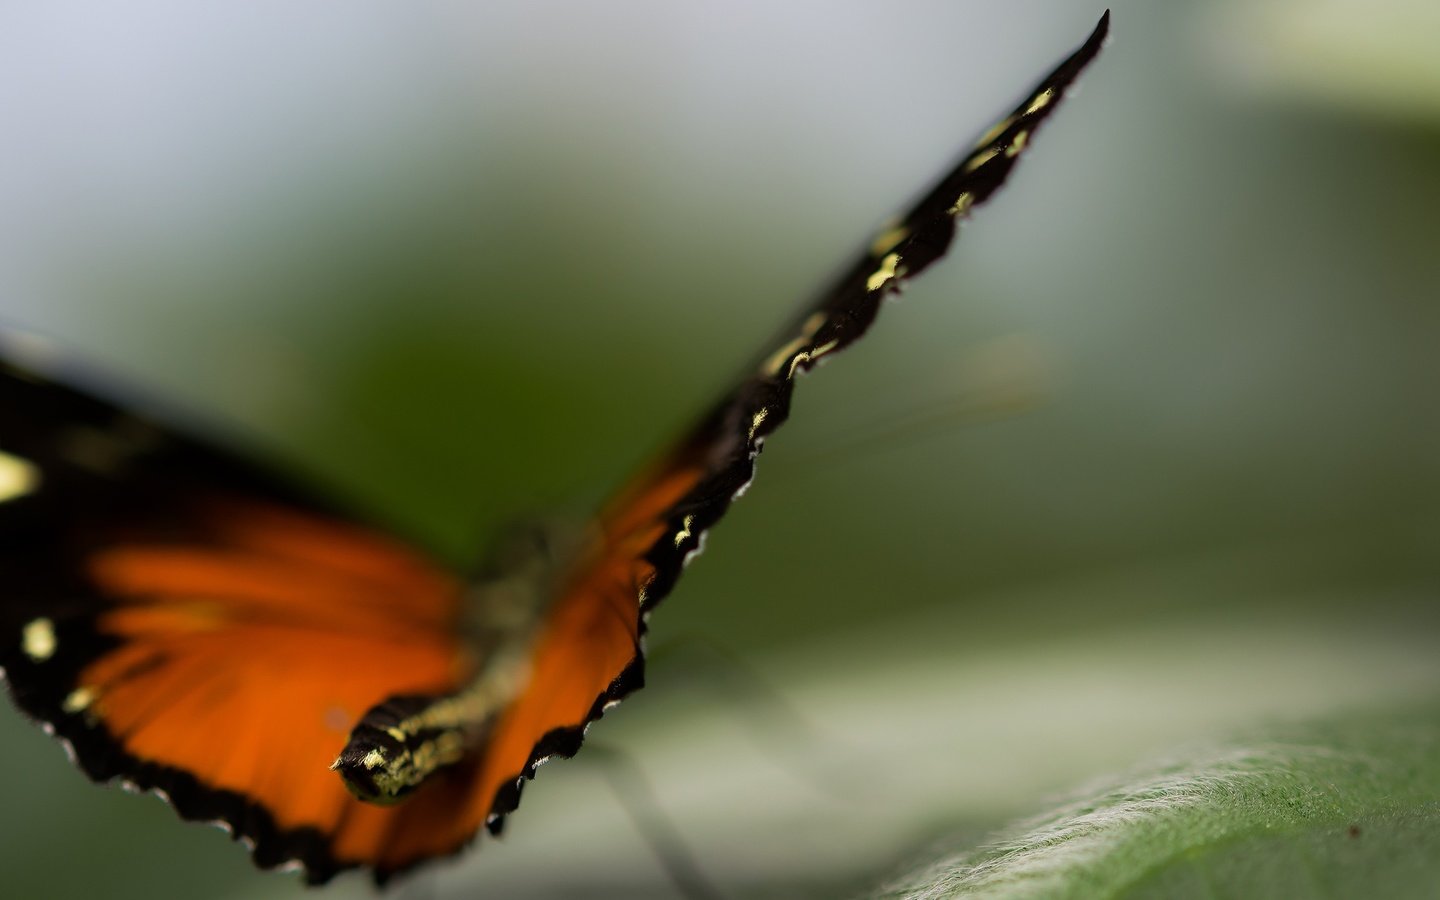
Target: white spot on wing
[1041,101]
[38,639]
[18,477]
[772,365]
[823,349]
[78,700]
[995,131]
[981,158]
[759,417]
[884,273]
[684,533]
[888,239]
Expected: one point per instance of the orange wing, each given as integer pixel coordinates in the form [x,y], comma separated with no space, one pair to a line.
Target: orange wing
[191,626]
[188,626]
[589,655]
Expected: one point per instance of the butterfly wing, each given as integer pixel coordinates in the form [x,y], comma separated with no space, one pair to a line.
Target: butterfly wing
[188,625]
[590,654]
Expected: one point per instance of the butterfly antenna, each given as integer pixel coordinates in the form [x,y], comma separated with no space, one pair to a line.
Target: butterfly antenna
[1005,378]
[637,798]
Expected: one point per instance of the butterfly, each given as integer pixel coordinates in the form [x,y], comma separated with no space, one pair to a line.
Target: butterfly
[190,624]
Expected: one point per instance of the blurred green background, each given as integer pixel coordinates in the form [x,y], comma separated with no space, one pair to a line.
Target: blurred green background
[465,263]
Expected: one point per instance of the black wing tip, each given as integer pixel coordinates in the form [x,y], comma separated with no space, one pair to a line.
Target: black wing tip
[1098,38]
[1070,68]
[1085,53]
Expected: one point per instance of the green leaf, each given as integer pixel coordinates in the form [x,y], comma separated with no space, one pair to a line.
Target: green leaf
[1345,808]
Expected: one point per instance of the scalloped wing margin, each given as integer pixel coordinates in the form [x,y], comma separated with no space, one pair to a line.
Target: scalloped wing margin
[666,512]
[589,656]
[176,618]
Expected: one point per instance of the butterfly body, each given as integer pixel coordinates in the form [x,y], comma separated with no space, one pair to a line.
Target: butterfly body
[193,625]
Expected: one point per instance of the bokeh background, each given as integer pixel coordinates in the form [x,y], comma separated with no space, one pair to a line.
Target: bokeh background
[1154,455]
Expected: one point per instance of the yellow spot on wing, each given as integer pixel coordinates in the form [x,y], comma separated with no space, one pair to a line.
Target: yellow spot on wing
[981,158]
[777,359]
[772,364]
[78,700]
[884,273]
[962,204]
[1041,101]
[995,132]
[889,239]
[37,639]
[684,532]
[807,356]
[1017,146]
[18,477]
[755,421]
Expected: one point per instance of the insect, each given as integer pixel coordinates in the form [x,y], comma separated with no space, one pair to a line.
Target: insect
[189,624]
